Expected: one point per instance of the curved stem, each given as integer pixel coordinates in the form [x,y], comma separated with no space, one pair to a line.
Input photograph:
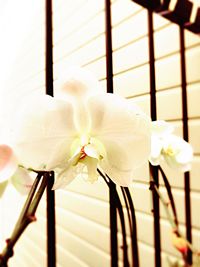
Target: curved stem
[170,195]
[134,229]
[132,225]
[113,220]
[169,216]
[122,219]
[166,205]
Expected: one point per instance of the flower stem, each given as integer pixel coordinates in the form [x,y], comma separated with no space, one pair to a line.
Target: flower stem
[132,224]
[169,192]
[26,217]
[121,216]
[173,220]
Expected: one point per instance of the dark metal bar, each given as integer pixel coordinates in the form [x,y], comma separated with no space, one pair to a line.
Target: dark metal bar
[152,67]
[186,137]
[112,186]
[109,58]
[51,233]
[113,225]
[181,13]
[49,49]
[51,236]
[154,170]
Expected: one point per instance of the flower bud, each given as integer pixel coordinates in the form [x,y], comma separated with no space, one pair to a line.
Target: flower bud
[179,243]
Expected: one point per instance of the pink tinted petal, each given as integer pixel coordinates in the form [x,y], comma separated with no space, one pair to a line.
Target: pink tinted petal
[77,84]
[8,162]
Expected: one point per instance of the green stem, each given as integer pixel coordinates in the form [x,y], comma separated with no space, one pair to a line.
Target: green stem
[26,217]
[170,218]
[165,205]
[170,195]
[27,203]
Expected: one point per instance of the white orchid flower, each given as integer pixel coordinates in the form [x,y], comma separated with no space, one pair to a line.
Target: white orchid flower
[87,130]
[177,153]
[10,172]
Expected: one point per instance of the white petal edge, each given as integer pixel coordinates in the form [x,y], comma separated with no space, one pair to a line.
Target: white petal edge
[161,128]
[22,181]
[64,178]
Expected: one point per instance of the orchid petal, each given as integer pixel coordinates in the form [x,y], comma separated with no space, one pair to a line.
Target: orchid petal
[91,165]
[118,164]
[182,155]
[156,147]
[161,128]
[91,151]
[67,176]
[125,133]
[66,173]
[186,152]
[77,84]
[22,181]
[81,117]
[43,127]
[60,154]
[8,163]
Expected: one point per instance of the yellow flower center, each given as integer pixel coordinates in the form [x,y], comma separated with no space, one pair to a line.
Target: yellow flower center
[169,151]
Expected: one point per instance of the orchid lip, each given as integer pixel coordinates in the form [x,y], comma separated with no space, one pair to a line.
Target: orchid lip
[83,154]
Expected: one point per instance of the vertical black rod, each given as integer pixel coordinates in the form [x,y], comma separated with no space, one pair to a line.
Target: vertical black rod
[154,170]
[112,187]
[51,234]
[186,137]
[51,237]
[49,49]
[109,59]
